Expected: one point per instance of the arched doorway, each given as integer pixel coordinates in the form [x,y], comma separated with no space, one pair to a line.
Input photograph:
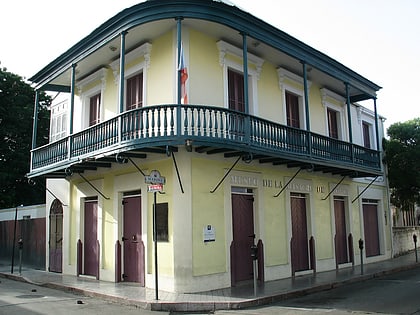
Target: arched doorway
[56,236]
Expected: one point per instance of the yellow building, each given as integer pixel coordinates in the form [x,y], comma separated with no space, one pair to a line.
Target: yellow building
[189,131]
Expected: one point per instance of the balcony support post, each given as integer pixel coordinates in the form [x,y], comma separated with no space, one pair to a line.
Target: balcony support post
[179,87]
[246,85]
[35,120]
[349,120]
[122,71]
[376,129]
[305,90]
[72,91]
[306,95]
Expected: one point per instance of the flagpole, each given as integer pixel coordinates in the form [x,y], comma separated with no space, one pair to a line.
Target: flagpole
[179,40]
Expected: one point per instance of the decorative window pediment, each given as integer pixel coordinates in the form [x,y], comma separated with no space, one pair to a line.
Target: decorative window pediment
[141,51]
[99,75]
[228,49]
[328,96]
[287,77]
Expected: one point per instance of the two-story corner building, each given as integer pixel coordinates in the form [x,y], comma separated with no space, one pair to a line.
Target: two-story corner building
[255,133]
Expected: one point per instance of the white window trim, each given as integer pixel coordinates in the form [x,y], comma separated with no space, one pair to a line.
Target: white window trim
[141,51]
[59,112]
[367,116]
[85,96]
[326,97]
[284,76]
[253,74]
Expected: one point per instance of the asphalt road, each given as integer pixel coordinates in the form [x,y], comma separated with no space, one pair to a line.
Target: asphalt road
[395,294]
[19,298]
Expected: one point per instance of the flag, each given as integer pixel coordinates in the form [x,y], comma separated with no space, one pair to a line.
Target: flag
[182,68]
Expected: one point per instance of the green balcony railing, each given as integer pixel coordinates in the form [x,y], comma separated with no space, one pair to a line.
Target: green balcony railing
[214,126]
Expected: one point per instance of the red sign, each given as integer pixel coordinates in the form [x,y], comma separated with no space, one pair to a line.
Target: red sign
[155,188]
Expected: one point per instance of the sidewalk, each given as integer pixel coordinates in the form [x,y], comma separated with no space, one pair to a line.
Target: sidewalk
[223,299]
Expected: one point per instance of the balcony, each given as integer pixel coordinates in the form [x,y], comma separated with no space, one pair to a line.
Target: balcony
[211,130]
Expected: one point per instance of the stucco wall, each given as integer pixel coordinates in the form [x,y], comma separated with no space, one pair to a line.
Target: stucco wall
[403,239]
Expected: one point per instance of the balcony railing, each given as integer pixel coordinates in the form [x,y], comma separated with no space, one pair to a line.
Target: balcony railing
[214,126]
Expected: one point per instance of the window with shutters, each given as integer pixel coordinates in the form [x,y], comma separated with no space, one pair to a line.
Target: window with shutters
[134,91]
[95,109]
[366,134]
[332,116]
[292,110]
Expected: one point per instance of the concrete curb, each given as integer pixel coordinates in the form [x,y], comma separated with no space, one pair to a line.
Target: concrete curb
[206,306]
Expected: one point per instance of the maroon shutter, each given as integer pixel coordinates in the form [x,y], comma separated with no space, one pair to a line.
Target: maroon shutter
[134,97]
[332,123]
[236,91]
[94,109]
[366,135]
[292,110]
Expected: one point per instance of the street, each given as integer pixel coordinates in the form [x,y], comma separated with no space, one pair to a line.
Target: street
[27,299]
[393,294]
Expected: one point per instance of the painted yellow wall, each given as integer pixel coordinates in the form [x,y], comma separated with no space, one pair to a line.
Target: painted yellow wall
[205,74]
[108,225]
[270,99]
[275,223]
[110,98]
[208,258]
[161,76]
[165,249]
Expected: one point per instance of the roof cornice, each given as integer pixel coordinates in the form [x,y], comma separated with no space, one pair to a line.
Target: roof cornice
[209,10]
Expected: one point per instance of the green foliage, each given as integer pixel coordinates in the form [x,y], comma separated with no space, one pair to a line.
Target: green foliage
[402,155]
[17,99]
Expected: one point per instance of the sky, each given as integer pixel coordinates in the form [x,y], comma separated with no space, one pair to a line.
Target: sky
[379,39]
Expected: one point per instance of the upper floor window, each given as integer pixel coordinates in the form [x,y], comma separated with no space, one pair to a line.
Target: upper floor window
[91,99]
[332,117]
[335,114]
[134,75]
[291,85]
[366,134]
[134,92]
[58,124]
[95,109]
[236,90]
[292,110]
[233,78]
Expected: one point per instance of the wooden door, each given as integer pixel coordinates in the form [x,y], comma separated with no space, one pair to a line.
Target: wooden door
[90,252]
[56,237]
[299,244]
[243,231]
[340,232]
[370,224]
[133,249]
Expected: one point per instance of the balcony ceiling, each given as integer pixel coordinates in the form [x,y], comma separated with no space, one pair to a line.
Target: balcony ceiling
[99,54]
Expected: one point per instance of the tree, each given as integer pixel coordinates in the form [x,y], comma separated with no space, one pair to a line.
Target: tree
[402,155]
[17,99]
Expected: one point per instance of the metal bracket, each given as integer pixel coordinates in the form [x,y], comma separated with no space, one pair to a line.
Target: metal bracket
[221,181]
[325,198]
[33,183]
[135,165]
[287,184]
[358,196]
[177,172]
[91,185]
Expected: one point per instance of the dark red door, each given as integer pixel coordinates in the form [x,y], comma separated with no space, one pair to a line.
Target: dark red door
[340,232]
[90,252]
[299,244]
[243,229]
[370,224]
[133,249]
[56,237]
